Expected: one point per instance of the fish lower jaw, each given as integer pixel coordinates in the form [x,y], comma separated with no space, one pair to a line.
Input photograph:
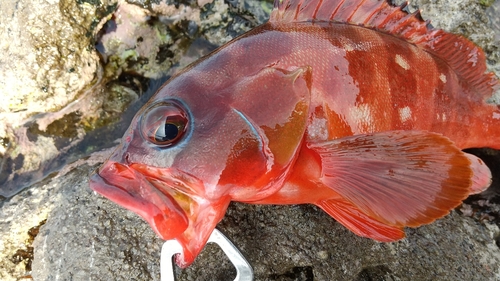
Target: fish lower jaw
[202,221]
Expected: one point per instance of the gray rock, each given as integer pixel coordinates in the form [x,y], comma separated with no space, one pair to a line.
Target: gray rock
[87,238]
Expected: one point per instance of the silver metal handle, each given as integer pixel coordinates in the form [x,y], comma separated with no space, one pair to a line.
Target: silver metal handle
[244,271]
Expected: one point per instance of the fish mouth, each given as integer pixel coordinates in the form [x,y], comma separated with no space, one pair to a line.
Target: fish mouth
[174,203]
[161,196]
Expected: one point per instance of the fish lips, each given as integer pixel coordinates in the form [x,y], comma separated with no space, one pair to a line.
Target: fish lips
[129,188]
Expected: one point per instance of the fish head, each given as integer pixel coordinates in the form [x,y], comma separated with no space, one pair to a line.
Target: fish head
[192,149]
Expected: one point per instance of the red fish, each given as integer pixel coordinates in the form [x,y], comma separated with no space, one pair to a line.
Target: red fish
[355,106]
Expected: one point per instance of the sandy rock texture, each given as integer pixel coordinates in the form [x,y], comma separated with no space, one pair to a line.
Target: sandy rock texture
[57,89]
[48,62]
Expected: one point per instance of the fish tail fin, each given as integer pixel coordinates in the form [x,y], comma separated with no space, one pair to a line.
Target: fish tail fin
[360,223]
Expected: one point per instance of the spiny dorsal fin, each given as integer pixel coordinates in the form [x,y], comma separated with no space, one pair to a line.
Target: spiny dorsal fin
[463,56]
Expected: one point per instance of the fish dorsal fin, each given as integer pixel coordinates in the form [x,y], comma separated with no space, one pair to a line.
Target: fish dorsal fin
[465,58]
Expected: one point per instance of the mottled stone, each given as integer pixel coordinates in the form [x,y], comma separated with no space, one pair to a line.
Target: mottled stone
[48,61]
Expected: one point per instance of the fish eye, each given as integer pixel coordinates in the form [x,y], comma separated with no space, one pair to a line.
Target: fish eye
[164,123]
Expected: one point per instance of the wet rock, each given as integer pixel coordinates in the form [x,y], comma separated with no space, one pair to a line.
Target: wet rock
[84,241]
[48,61]
[19,217]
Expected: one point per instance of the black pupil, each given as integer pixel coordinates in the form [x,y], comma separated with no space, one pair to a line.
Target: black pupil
[166,133]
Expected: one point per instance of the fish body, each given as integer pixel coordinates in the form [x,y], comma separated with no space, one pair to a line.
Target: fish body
[363,81]
[357,107]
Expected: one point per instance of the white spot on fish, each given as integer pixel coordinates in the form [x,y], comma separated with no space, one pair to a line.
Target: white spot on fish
[441,117]
[402,62]
[317,129]
[496,115]
[362,114]
[404,114]
[442,77]
[347,44]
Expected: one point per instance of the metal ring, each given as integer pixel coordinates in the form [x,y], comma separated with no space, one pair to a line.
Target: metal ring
[244,271]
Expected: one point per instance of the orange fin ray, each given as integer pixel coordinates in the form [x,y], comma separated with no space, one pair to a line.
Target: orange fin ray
[466,59]
[356,221]
[400,178]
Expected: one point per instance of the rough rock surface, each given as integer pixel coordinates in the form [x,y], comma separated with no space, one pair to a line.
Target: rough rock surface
[47,62]
[86,237]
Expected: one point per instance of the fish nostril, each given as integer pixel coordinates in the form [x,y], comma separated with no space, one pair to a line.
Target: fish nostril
[126,158]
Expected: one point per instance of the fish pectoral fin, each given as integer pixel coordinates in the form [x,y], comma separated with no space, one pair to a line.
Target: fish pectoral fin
[399,178]
[361,224]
